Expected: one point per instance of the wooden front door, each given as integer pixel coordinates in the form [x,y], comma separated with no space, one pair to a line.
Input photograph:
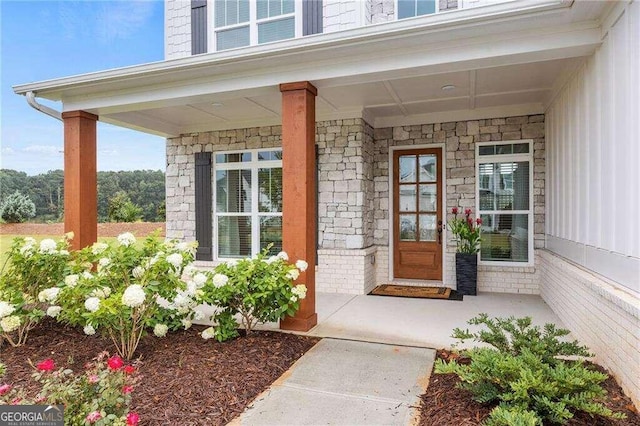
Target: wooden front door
[417,214]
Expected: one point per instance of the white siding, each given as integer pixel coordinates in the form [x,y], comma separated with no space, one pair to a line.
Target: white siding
[341,15]
[593,158]
[177,29]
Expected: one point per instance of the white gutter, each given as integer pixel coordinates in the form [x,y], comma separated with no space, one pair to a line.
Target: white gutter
[31,100]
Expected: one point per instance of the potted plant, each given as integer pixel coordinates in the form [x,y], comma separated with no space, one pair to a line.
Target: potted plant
[466,232]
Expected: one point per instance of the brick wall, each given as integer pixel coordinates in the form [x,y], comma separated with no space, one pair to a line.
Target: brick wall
[177,29]
[599,313]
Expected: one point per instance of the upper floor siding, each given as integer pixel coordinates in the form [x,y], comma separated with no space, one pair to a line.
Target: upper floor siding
[201,26]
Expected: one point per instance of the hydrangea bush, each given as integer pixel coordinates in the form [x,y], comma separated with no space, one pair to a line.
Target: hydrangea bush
[131,288]
[258,289]
[27,285]
[99,396]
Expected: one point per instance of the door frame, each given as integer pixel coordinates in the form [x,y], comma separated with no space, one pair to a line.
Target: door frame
[443,152]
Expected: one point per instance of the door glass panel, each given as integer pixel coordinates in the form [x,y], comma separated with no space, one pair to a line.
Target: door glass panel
[428,227]
[407,198]
[407,168]
[428,168]
[407,227]
[428,198]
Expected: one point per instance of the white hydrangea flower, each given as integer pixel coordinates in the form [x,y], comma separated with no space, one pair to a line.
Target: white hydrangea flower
[186,324]
[87,275]
[101,293]
[293,298]
[53,311]
[48,246]
[198,315]
[302,265]
[283,255]
[200,279]
[181,300]
[6,309]
[105,261]
[98,248]
[126,239]
[48,295]
[133,296]
[138,272]
[300,290]
[64,252]
[92,304]
[175,259]
[187,247]
[231,262]
[89,330]
[189,270]
[71,280]
[293,274]
[163,303]
[208,333]
[10,323]
[272,259]
[192,287]
[160,330]
[27,249]
[219,280]
[69,235]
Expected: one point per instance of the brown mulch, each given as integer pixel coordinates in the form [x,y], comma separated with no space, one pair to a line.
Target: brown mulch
[444,404]
[185,380]
[139,229]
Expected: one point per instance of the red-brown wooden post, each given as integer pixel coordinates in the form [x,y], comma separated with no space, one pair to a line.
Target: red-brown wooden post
[299,220]
[80,178]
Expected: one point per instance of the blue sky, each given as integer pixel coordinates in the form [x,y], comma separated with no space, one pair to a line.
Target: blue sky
[40,40]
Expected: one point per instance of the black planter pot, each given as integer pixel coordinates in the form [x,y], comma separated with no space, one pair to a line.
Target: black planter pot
[467,274]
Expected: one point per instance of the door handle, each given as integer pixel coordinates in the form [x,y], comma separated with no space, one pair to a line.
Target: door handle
[439,232]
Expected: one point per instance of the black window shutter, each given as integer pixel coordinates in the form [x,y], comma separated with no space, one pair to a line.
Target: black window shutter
[198,26]
[204,226]
[311,17]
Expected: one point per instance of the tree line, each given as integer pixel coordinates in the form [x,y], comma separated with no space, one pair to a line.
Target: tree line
[137,194]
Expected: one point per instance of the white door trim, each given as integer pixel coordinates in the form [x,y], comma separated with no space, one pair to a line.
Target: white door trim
[443,157]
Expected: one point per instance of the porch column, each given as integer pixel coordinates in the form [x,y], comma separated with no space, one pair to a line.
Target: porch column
[299,205]
[80,179]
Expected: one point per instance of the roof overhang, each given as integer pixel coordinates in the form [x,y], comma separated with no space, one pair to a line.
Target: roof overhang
[507,34]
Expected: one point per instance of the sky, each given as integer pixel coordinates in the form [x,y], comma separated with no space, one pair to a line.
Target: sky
[41,40]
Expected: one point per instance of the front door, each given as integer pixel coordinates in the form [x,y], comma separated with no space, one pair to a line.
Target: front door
[417,214]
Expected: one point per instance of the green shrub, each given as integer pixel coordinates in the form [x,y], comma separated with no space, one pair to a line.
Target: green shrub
[259,289]
[17,208]
[523,374]
[122,209]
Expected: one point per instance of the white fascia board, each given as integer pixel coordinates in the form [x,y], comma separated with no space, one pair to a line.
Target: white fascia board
[164,71]
[460,55]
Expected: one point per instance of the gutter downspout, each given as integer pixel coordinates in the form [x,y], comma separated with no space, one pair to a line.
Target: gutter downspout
[31,100]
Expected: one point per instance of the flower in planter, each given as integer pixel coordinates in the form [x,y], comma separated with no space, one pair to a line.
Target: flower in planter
[466,232]
[115,363]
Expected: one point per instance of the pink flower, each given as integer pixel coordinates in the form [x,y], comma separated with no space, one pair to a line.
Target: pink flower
[467,212]
[46,365]
[93,379]
[478,221]
[16,401]
[127,389]
[454,210]
[93,416]
[115,363]
[132,419]
[5,388]
[129,369]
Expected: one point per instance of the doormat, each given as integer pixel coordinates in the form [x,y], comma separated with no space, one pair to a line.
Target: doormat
[444,293]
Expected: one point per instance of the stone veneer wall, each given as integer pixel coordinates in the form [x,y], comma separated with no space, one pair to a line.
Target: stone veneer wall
[600,314]
[353,198]
[459,140]
[377,11]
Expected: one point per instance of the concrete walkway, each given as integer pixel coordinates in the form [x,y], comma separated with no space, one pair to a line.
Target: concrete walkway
[341,382]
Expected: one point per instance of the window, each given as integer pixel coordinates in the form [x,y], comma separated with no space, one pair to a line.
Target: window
[247,202]
[411,8]
[505,178]
[241,23]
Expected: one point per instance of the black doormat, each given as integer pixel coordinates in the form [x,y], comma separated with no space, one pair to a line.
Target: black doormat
[443,293]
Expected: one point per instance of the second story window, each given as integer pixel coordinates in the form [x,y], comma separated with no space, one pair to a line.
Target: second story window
[239,23]
[411,8]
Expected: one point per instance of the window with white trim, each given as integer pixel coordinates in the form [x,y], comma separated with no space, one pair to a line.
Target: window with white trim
[505,201]
[239,23]
[411,8]
[247,195]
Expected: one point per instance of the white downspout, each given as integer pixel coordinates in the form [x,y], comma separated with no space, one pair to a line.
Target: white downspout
[31,100]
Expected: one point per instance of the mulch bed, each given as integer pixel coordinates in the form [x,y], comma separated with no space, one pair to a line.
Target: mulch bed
[185,380]
[139,229]
[444,404]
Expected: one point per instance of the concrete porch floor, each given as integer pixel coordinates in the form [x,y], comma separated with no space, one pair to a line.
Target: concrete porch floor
[415,322]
